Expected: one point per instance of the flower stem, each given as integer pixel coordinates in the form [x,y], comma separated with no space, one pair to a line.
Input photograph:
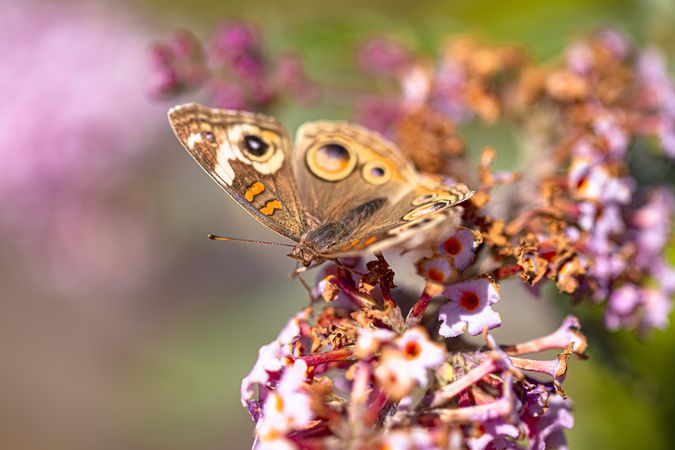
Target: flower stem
[430,291]
[341,354]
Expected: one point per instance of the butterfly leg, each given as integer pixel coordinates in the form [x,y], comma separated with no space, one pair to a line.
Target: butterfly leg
[296,274]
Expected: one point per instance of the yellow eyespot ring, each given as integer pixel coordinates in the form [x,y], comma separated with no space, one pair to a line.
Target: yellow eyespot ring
[331,161]
[376,172]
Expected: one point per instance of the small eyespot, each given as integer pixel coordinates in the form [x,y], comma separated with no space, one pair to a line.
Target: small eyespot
[375,172]
[331,162]
[255,146]
[424,198]
[210,137]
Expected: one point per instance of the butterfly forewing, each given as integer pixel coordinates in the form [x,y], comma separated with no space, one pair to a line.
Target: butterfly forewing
[248,155]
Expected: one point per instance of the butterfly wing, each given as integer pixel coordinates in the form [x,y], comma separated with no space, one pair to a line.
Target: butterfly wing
[360,193]
[248,155]
[424,214]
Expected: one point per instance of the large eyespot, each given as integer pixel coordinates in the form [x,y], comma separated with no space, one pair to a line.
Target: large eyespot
[331,162]
[375,172]
[261,147]
[424,198]
[256,148]
[426,209]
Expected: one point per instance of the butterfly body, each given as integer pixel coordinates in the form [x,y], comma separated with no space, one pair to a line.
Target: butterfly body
[340,190]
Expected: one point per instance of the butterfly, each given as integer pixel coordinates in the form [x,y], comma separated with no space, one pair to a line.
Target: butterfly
[341,190]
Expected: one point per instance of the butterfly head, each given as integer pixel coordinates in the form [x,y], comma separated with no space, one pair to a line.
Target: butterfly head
[305,254]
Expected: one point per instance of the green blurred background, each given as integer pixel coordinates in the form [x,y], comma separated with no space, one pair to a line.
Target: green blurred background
[159,365]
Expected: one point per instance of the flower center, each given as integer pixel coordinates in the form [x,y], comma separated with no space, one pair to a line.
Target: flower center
[279,403]
[412,350]
[469,300]
[452,246]
[436,275]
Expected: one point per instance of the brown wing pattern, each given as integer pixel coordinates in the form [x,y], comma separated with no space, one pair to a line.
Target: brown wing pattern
[249,156]
[360,193]
[327,194]
[425,214]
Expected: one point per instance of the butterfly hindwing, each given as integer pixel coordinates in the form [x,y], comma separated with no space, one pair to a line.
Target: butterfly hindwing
[248,155]
[346,173]
[359,193]
[424,214]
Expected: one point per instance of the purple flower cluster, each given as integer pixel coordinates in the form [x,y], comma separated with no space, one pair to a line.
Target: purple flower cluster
[231,68]
[76,128]
[353,374]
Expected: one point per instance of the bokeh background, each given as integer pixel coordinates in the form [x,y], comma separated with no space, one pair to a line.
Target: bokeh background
[121,325]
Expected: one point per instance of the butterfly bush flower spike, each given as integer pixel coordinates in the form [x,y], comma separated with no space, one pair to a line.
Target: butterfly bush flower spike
[340,377]
[232,68]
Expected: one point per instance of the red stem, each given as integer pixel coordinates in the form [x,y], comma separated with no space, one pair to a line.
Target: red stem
[341,354]
[418,309]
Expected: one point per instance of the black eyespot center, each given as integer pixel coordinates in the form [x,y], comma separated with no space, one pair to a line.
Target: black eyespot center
[377,171]
[210,137]
[255,145]
[334,151]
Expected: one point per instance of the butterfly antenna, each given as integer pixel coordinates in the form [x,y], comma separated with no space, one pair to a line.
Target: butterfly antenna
[215,237]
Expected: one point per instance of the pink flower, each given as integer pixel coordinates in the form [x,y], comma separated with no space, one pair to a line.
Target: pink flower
[382,56]
[545,424]
[622,306]
[408,439]
[659,92]
[370,341]
[420,352]
[460,246]
[652,222]
[405,365]
[379,114]
[279,442]
[438,269]
[272,358]
[494,434]
[657,308]
[469,307]
[615,137]
[287,407]
[579,58]
[449,91]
